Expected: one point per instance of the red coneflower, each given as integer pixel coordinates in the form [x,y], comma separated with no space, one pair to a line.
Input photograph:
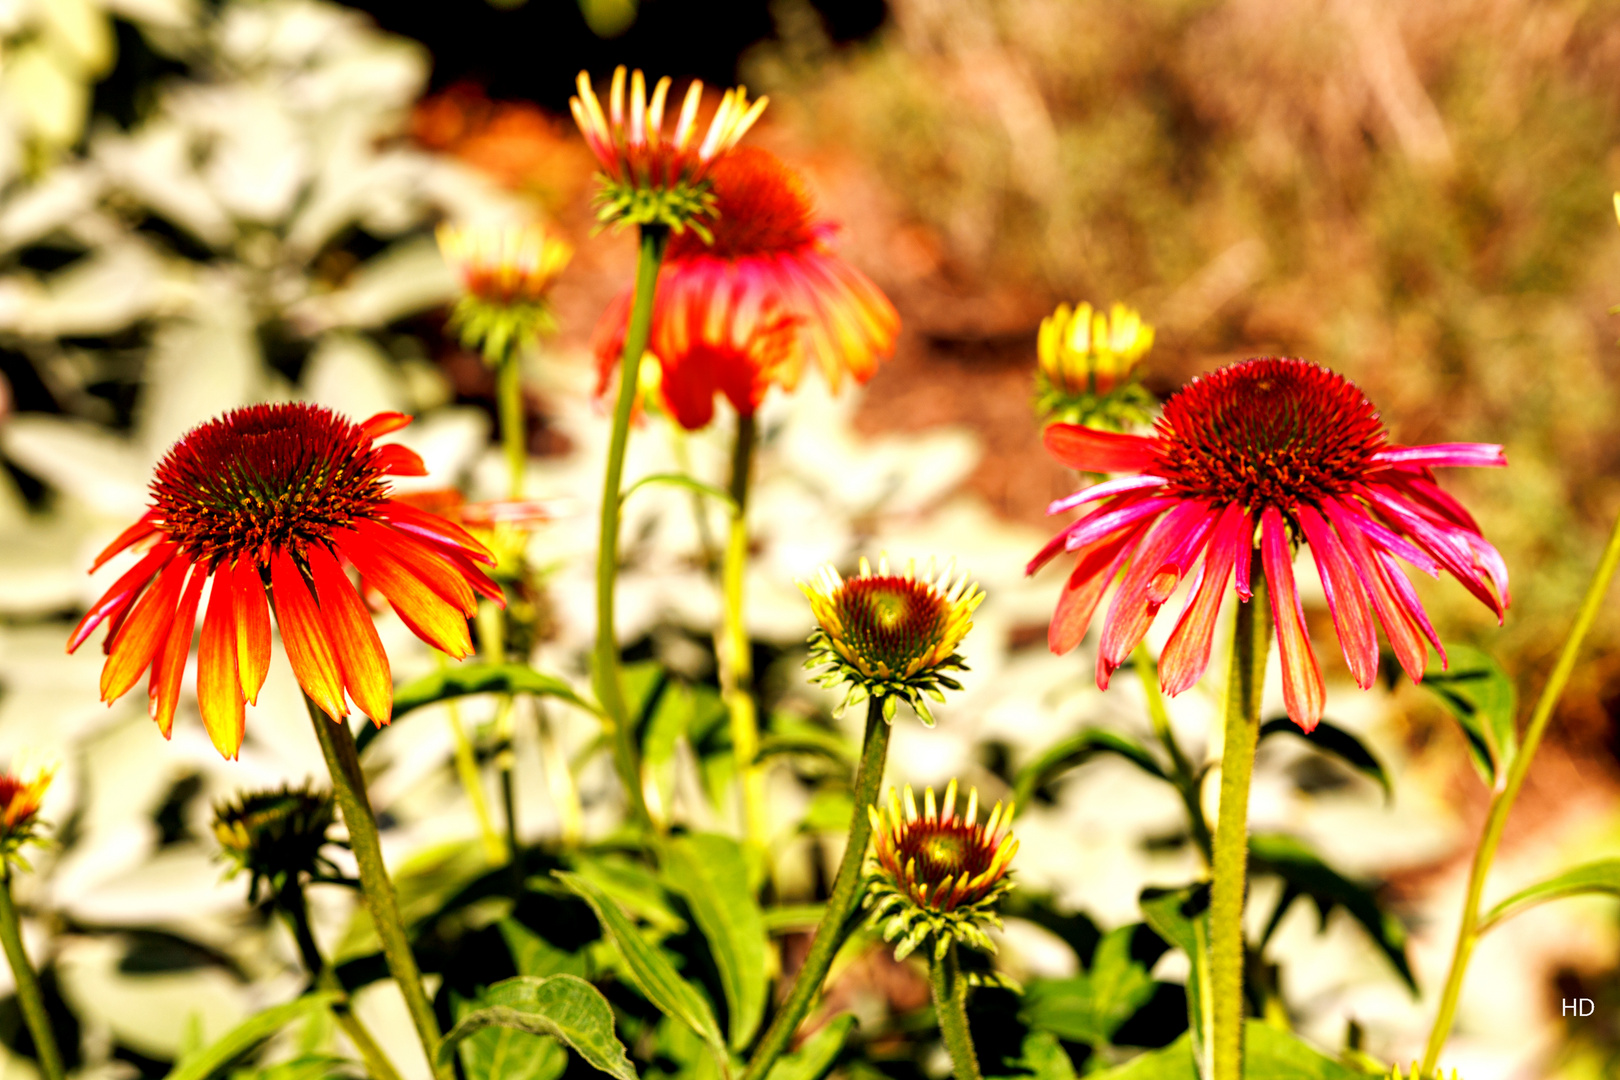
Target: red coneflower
[271,502]
[743,313]
[1299,453]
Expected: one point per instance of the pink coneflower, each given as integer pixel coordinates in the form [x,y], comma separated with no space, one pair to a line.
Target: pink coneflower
[1297,452]
[742,310]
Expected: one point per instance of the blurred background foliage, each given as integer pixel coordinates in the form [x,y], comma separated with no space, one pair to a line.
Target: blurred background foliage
[204,204]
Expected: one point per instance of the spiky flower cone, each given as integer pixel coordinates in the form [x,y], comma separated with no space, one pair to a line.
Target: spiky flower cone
[936,877]
[276,836]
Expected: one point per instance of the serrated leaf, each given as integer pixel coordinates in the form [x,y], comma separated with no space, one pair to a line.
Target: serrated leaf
[710,873]
[563,1006]
[815,1056]
[1305,874]
[1269,1054]
[1077,750]
[1092,1006]
[478,678]
[1328,738]
[496,1052]
[248,1034]
[648,969]
[1601,877]
[1484,700]
[1181,917]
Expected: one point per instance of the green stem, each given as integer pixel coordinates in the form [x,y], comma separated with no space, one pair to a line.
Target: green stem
[1181,770]
[1242,725]
[293,907]
[559,779]
[734,649]
[28,992]
[514,435]
[343,762]
[505,762]
[950,1008]
[471,782]
[609,689]
[1507,791]
[846,893]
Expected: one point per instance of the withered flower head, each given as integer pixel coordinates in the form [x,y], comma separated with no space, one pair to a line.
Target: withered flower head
[277,836]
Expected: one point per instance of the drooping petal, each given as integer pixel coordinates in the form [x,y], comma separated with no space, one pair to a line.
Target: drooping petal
[482,583]
[400,460]
[1303,692]
[303,632]
[1090,450]
[1479,455]
[252,628]
[1156,569]
[353,636]
[412,519]
[1092,575]
[1387,539]
[422,561]
[144,526]
[1443,544]
[379,424]
[1432,500]
[1104,490]
[1403,634]
[1347,601]
[1407,597]
[219,687]
[141,634]
[123,592]
[440,624]
[169,665]
[1186,654]
[1120,512]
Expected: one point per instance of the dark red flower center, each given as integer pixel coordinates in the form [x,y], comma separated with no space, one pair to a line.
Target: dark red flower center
[265,477]
[890,619]
[762,205]
[945,849]
[1269,431]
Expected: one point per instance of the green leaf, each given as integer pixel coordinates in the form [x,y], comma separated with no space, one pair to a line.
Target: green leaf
[807,739]
[650,971]
[248,1034]
[1305,874]
[1045,1057]
[637,889]
[710,873]
[1269,1054]
[496,1052]
[1090,1007]
[1331,739]
[1181,917]
[479,678]
[305,1067]
[1484,701]
[681,480]
[1601,877]
[563,1006]
[816,1054]
[1077,750]
[792,917]
[534,955]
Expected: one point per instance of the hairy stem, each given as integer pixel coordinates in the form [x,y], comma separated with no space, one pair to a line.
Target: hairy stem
[1507,791]
[1231,849]
[846,892]
[950,1007]
[734,649]
[28,992]
[1181,770]
[609,688]
[343,762]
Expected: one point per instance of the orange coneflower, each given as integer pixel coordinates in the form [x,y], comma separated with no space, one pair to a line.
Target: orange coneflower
[270,502]
[745,312]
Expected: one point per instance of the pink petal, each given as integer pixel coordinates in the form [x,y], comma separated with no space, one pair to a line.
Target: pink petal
[1102,522]
[1399,627]
[1186,655]
[1345,596]
[1480,455]
[1155,571]
[1105,489]
[1097,567]
[1449,545]
[1303,692]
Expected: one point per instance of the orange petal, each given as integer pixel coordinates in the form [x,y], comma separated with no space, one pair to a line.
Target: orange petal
[252,628]
[122,593]
[145,526]
[413,519]
[1090,450]
[430,618]
[219,689]
[354,637]
[303,632]
[384,422]
[397,460]
[170,664]
[421,560]
[1303,692]
[141,634]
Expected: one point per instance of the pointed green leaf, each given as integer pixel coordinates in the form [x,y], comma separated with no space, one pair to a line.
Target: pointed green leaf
[496,1052]
[636,888]
[1601,877]
[1303,870]
[1181,917]
[1077,750]
[478,678]
[563,1006]
[248,1034]
[710,873]
[534,955]
[1269,1053]
[649,970]
[1331,739]
[1090,1007]
[1045,1057]
[1483,699]
[815,1056]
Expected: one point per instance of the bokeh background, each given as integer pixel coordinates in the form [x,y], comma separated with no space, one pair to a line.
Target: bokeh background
[208,203]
